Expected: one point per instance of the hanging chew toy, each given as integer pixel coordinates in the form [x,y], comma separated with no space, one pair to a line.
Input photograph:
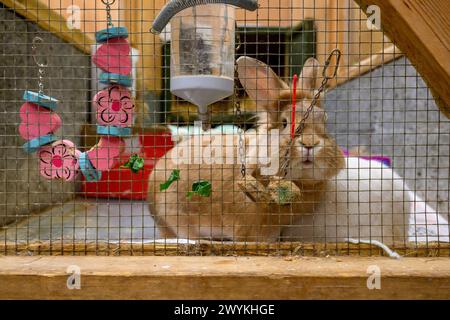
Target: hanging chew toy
[60,159]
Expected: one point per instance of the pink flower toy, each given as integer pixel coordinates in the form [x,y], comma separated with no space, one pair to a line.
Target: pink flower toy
[59,160]
[115,109]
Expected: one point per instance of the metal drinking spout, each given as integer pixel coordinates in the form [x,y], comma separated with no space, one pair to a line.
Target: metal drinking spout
[203,116]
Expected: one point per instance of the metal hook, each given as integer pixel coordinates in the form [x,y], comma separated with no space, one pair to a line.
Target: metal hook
[37,40]
[336,52]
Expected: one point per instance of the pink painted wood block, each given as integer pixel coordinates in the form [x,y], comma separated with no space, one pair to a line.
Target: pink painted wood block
[37,121]
[103,154]
[59,160]
[114,56]
[114,107]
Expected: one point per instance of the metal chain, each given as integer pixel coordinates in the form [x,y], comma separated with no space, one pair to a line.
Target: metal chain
[238,37]
[41,72]
[108,5]
[41,66]
[238,111]
[241,139]
[301,126]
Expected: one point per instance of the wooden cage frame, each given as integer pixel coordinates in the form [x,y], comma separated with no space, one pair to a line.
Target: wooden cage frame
[414,26]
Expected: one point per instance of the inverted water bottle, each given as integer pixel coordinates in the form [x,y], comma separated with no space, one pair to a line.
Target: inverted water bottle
[202,49]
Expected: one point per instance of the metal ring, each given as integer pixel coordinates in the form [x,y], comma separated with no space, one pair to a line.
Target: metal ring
[37,40]
[107,3]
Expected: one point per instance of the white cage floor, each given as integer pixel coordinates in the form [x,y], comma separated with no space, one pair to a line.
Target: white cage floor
[86,220]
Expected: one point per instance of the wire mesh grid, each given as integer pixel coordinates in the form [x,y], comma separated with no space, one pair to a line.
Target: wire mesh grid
[370,165]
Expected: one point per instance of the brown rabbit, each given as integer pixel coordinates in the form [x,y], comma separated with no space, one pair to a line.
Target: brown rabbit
[229,214]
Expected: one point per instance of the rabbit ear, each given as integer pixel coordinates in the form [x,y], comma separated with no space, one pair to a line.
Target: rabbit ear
[260,82]
[308,77]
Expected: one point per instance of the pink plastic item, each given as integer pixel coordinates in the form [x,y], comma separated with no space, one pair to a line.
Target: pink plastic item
[102,155]
[114,107]
[114,56]
[37,121]
[59,160]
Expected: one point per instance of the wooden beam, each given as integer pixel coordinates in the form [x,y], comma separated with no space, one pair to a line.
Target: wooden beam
[223,278]
[38,12]
[421,29]
[347,73]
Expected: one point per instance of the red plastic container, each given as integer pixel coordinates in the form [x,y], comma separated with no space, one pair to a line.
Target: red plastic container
[122,183]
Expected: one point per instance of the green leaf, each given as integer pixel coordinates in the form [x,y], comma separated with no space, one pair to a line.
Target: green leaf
[174,176]
[135,163]
[201,187]
[284,195]
[138,164]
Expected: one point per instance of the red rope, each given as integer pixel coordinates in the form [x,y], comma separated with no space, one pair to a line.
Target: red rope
[294,102]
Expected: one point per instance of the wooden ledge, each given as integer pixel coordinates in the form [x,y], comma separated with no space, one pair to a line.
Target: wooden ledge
[224,278]
[212,248]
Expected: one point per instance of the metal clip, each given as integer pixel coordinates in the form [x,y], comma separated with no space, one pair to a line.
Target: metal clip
[37,40]
[336,52]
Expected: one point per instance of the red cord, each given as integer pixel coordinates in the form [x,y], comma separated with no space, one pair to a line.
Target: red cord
[294,102]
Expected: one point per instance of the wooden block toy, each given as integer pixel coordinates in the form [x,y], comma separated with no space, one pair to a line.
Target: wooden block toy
[114,107]
[37,121]
[111,33]
[102,155]
[88,170]
[40,99]
[113,56]
[115,78]
[114,131]
[59,160]
[34,144]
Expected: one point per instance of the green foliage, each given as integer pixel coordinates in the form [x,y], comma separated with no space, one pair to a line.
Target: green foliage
[135,163]
[201,187]
[174,176]
[285,195]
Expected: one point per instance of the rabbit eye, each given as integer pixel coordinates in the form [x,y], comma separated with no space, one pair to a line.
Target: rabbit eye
[284,122]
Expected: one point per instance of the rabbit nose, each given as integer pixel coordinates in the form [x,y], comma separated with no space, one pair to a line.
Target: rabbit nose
[307,146]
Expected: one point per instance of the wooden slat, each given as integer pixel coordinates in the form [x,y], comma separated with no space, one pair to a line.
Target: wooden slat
[48,19]
[223,278]
[421,29]
[206,248]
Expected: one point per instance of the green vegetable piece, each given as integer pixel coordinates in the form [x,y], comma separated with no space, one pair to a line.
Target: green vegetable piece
[201,187]
[285,195]
[135,163]
[174,176]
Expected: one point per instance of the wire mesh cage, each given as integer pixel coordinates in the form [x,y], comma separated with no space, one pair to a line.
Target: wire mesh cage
[322,139]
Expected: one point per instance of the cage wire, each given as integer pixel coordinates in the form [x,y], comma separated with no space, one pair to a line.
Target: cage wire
[370,167]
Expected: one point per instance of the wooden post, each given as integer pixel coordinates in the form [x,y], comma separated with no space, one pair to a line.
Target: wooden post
[421,29]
